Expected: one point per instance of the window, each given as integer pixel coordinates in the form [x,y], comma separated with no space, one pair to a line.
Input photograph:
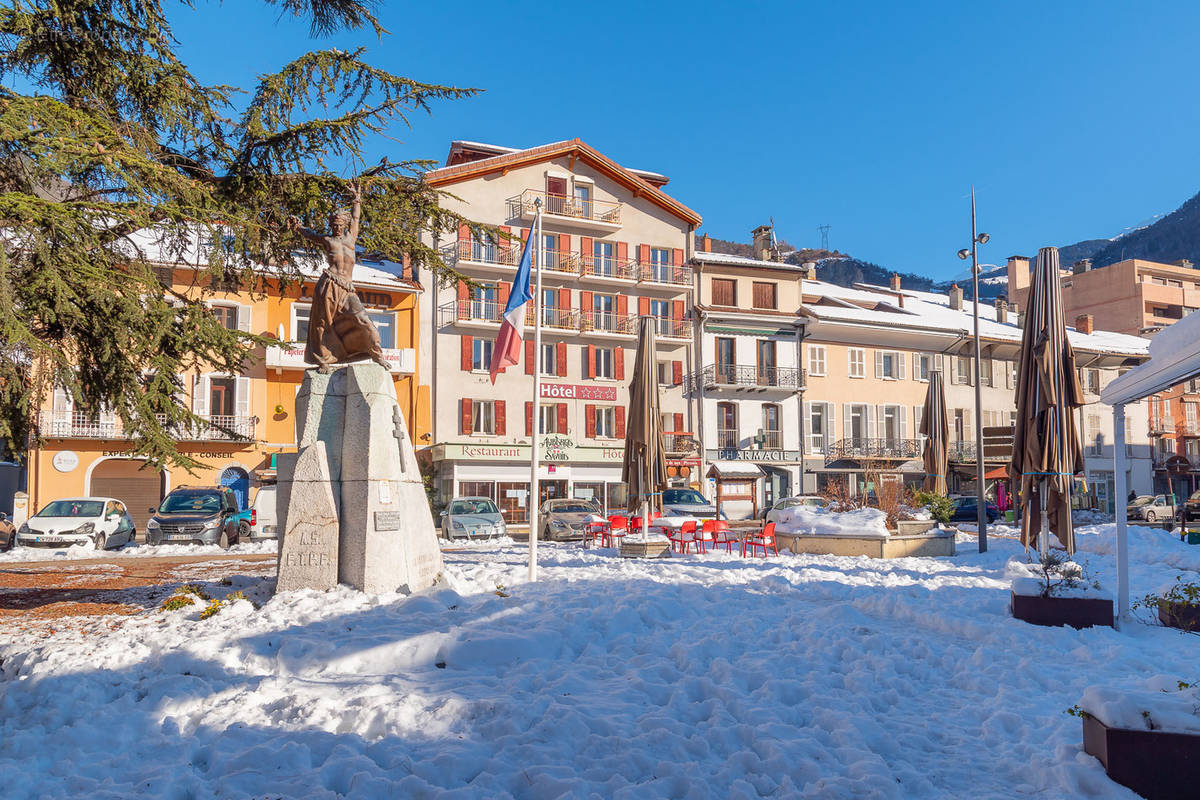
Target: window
[478,489]
[858,423]
[385,323]
[666,373]
[818,426]
[889,365]
[556,187]
[816,359]
[221,396]
[960,425]
[1090,379]
[606,423]
[549,359]
[922,364]
[604,362]
[483,417]
[603,318]
[724,292]
[550,310]
[767,374]
[764,294]
[1095,438]
[772,436]
[227,316]
[1012,375]
[583,200]
[858,362]
[548,418]
[483,302]
[300,314]
[962,370]
[726,368]
[483,249]
[553,256]
[481,354]
[891,424]
[660,264]
[602,258]
[727,434]
[661,310]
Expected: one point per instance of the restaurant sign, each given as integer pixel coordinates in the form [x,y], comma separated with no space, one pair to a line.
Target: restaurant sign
[757,456]
[573,391]
[552,452]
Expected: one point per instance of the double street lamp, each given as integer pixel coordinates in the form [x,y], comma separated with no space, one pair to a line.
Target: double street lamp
[981,504]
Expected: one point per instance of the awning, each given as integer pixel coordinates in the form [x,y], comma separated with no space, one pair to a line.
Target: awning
[734,469]
[996,474]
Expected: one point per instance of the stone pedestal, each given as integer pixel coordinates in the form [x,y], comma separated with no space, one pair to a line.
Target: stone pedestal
[308,549]
[350,421]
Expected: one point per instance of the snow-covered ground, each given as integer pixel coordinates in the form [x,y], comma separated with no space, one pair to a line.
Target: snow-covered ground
[691,677]
[87,551]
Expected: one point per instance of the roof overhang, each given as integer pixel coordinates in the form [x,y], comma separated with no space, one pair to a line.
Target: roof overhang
[1174,358]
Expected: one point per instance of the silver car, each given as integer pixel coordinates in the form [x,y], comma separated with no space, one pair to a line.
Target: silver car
[472,518]
[565,519]
[688,503]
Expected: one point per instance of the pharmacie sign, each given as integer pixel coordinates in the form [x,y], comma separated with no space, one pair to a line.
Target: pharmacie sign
[757,456]
[574,391]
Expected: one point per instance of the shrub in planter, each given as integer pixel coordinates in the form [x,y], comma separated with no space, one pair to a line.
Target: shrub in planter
[1061,594]
[1177,608]
[939,506]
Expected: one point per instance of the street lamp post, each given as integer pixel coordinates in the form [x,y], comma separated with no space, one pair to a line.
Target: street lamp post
[980,503]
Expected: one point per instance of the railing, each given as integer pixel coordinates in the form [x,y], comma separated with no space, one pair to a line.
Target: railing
[595,266]
[674,328]
[604,322]
[677,442]
[561,319]
[523,205]
[771,440]
[665,274]
[1189,428]
[718,375]
[728,439]
[77,425]
[504,253]
[469,311]
[891,449]
[558,261]
[1161,425]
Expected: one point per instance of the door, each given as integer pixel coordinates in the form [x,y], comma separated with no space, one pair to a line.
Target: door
[220,397]
[725,360]
[551,490]
[766,362]
[125,480]
[236,479]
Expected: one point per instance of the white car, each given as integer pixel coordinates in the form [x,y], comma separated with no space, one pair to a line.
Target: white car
[264,516]
[775,512]
[101,521]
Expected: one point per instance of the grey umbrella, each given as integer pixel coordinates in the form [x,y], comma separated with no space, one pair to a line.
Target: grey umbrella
[1046,452]
[644,469]
[937,434]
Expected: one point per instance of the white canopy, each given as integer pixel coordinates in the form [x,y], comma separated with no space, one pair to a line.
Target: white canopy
[1174,357]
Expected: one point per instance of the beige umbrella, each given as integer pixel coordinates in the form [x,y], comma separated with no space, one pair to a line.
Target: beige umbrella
[1046,452]
[937,434]
[644,469]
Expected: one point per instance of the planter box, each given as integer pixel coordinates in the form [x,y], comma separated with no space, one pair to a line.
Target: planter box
[651,549]
[1155,764]
[1078,612]
[913,527]
[935,543]
[1179,615]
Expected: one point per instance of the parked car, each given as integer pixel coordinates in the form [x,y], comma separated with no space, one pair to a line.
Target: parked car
[966,510]
[8,532]
[101,521]
[1153,507]
[198,515]
[564,519]
[687,503]
[264,515]
[774,513]
[471,518]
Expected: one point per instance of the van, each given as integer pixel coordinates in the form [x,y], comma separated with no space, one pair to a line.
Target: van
[264,515]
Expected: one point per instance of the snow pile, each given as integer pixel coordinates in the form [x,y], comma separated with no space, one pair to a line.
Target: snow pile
[814,521]
[82,551]
[1157,704]
[1086,516]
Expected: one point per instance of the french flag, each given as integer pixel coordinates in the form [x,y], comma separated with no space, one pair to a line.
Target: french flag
[506,352]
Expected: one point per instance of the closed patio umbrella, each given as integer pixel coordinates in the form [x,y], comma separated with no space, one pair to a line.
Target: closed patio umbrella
[1046,451]
[937,435]
[644,469]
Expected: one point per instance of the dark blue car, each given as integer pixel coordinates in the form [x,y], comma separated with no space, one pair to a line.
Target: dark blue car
[965,510]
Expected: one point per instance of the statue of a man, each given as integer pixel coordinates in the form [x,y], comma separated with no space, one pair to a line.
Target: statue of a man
[339,329]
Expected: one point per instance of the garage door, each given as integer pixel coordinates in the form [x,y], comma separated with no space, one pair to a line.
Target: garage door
[124,479]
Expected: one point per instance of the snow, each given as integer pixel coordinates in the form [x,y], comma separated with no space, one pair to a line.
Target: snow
[738,469]
[80,551]
[695,676]
[1158,703]
[814,521]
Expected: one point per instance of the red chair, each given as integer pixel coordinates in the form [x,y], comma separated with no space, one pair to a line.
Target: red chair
[682,538]
[615,530]
[704,535]
[721,535]
[761,541]
[594,531]
[635,524]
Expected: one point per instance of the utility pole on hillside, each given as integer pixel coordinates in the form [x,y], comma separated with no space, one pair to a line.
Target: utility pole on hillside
[824,229]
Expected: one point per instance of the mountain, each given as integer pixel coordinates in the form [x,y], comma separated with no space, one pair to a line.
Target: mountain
[832,266]
[1170,238]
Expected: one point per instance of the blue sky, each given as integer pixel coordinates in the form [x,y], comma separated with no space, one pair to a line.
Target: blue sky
[1073,120]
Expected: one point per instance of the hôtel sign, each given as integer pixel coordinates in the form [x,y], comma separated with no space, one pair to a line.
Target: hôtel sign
[574,391]
[555,449]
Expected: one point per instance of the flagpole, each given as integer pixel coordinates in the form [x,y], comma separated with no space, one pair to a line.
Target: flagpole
[537,390]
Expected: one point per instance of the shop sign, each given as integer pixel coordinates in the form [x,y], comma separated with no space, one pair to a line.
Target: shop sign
[557,448]
[487,452]
[574,391]
[520,452]
[182,446]
[65,460]
[757,456]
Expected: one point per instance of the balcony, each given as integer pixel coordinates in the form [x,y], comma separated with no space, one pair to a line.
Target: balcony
[401,361]
[608,324]
[609,268]
[470,313]
[77,425]
[502,255]
[1162,426]
[1188,429]
[560,319]
[669,275]
[873,449]
[678,443]
[593,214]
[673,328]
[750,377]
[728,439]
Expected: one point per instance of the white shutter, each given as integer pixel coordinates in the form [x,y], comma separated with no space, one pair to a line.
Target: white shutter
[241,397]
[806,424]
[900,359]
[903,422]
[878,363]
[244,315]
[63,402]
[871,425]
[847,431]
[968,428]
[830,420]
[200,396]
[918,417]
[850,361]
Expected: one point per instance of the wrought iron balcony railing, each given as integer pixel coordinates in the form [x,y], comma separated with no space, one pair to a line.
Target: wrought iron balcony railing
[883,449]
[77,425]
[728,439]
[680,442]
[1160,426]
[716,376]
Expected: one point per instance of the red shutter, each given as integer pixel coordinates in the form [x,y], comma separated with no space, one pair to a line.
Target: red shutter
[678,419]
[677,372]
[465,421]
[585,248]
[677,309]
[589,416]
[464,232]
[505,290]
[644,254]
[619,363]
[505,229]
[622,251]
[560,358]
[524,234]
[677,257]
[561,408]
[622,306]
[591,361]
[620,422]
[564,245]
[468,353]
[528,418]
[501,421]
[464,299]
[585,302]
[564,300]
[644,306]
[530,357]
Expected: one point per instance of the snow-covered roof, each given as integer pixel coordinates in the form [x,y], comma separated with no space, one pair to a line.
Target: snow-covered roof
[736,469]
[741,261]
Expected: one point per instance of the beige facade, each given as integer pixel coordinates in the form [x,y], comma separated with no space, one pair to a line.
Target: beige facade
[616,250]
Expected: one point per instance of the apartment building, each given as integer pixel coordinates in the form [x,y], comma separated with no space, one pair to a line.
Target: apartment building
[617,248]
[247,417]
[1138,297]
[748,379]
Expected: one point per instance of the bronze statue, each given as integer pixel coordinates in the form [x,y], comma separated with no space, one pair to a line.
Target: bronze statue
[339,329]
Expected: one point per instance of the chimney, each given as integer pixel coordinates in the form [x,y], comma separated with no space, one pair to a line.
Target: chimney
[1018,274]
[1183,262]
[1083,323]
[895,282]
[810,270]
[956,297]
[1082,265]
[706,244]
[1001,311]
[762,242]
